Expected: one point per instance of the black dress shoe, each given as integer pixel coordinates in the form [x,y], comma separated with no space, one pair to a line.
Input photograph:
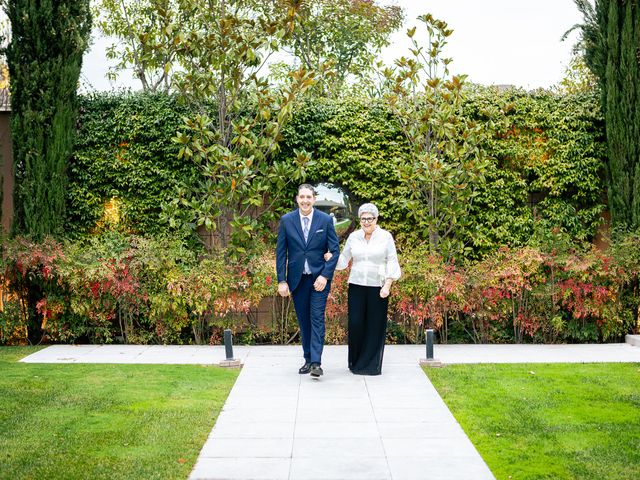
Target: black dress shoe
[316,370]
[304,369]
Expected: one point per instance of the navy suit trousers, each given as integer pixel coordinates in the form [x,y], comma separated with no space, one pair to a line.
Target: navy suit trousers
[309,306]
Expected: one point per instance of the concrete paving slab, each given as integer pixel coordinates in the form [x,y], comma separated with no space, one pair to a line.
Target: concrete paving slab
[436,448]
[242,402]
[289,356]
[436,429]
[339,468]
[248,448]
[264,391]
[584,353]
[419,415]
[633,340]
[208,468]
[431,468]
[311,390]
[253,415]
[341,420]
[330,414]
[315,430]
[339,447]
[410,401]
[226,428]
[144,354]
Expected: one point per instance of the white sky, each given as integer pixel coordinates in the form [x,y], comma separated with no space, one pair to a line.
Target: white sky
[514,42]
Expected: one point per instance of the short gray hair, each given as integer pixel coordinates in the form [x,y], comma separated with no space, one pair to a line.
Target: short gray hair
[368,208]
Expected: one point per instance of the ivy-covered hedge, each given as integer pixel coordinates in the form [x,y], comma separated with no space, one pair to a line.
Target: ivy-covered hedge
[546,162]
[355,144]
[125,160]
[542,196]
[547,157]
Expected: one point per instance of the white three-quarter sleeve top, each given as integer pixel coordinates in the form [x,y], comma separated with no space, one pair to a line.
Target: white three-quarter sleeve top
[373,261]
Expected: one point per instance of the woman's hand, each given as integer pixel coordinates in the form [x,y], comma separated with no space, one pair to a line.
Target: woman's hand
[327,256]
[386,288]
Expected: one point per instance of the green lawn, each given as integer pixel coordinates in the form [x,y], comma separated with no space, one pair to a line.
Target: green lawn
[105,421]
[549,421]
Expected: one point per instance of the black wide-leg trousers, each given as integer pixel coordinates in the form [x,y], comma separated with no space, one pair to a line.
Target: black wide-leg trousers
[367,329]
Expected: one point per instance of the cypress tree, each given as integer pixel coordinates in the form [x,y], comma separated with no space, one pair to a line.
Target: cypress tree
[611,41]
[48,39]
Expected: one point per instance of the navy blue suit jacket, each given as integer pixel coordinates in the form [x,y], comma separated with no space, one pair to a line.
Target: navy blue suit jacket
[292,250]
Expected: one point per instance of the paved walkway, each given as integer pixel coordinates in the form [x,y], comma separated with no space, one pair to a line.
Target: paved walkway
[394,354]
[277,424]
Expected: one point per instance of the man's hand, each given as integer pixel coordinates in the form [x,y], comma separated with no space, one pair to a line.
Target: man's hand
[283,289]
[320,283]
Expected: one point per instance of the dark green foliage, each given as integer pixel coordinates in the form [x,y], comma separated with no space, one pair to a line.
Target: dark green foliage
[622,110]
[547,154]
[543,148]
[355,144]
[611,42]
[125,152]
[48,39]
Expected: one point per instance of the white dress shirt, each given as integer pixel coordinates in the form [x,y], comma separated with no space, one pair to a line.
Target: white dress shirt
[306,269]
[373,261]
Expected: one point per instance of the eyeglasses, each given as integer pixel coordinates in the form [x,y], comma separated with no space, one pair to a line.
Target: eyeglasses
[367,219]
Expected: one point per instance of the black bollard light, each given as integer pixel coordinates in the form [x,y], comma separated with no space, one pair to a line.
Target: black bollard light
[228,344]
[429,341]
[430,361]
[228,350]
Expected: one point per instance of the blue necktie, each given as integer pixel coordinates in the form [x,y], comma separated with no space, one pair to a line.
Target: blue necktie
[305,229]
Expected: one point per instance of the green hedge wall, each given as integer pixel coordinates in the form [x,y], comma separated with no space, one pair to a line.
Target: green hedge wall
[124,151]
[546,154]
[355,144]
[546,150]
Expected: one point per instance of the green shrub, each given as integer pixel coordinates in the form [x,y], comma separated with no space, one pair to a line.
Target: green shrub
[524,294]
[125,164]
[130,289]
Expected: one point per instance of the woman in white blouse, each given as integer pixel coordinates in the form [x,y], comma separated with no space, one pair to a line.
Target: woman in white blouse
[375,267]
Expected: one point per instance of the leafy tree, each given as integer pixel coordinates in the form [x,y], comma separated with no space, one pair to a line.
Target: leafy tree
[337,37]
[240,184]
[48,39]
[148,32]
[445,165]
[610,39]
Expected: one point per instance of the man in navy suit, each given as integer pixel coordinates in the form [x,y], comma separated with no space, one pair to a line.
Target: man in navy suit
[305,235]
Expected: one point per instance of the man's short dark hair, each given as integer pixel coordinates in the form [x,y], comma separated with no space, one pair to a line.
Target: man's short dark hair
[308,186]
